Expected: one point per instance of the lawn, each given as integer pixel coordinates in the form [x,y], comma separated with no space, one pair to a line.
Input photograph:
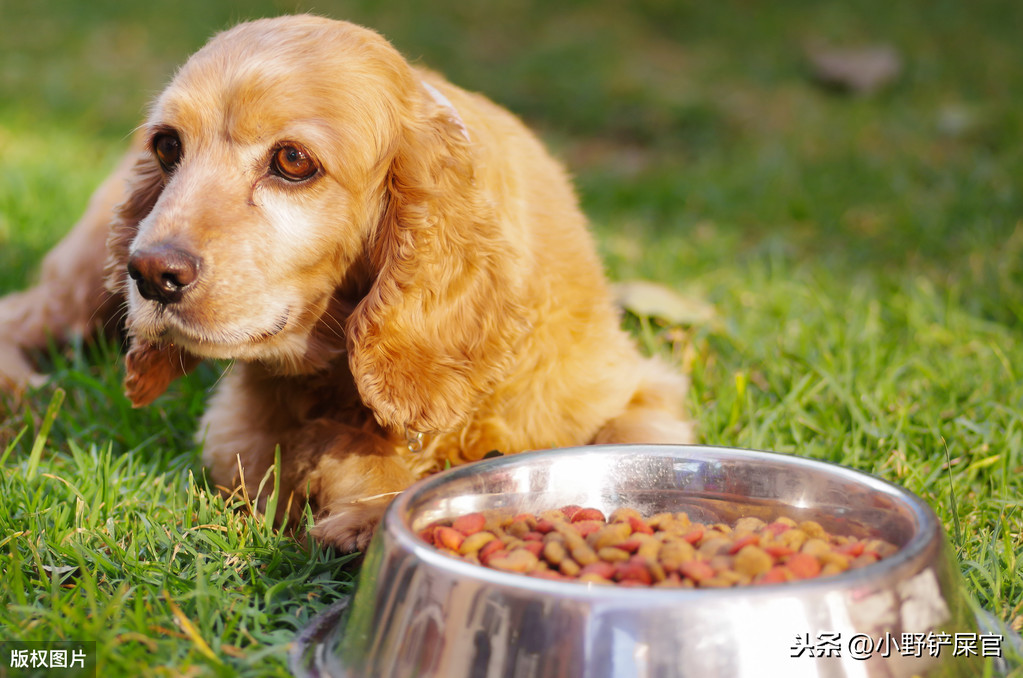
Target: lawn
[862,254]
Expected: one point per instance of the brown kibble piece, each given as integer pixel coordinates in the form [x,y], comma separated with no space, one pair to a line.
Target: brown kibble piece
[794,538]
[612,555]
[554,552]
[816,547]
[714,546]
[831,569]
[474,542]
[648,547]
[673,553]
[748,524]
[518,527]
[583,554]
[519,560]
[752,560]
[662,522]
[838,560]
[623,514]
[812,529]
[610,535]
[569,567]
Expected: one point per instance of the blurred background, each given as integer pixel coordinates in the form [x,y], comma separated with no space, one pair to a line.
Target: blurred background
[709,122]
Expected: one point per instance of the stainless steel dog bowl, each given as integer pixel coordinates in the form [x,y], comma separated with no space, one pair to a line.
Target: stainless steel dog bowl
[418,612]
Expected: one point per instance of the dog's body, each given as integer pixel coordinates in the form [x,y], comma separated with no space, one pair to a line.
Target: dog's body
[383,255]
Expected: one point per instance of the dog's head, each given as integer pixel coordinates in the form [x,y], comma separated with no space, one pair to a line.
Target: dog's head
[302,194]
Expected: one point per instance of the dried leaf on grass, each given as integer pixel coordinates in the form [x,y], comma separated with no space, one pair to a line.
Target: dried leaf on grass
[860,70]
[649,299]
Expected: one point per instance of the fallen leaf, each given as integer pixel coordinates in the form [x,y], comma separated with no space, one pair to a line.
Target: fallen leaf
[860,70]
[645,298]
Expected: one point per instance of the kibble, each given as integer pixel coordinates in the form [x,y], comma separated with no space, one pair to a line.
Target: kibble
[576,543]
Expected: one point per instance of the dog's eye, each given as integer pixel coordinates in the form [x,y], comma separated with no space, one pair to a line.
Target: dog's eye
[293,163]
[167,148]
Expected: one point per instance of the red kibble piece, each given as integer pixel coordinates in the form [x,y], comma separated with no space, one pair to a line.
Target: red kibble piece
[632,571]
[427,533]
[489,549]
[776,528]
[630,545]
[494,554]
[570,510]
[776,575]
[639,525]
[532,536]
[470,523]
[587,527]
[588,514]
[803,565]
[694,534]
[778,550]
[544,526]
[448,537]
[534,547]
[697,570]
[601,568]
[851,549]
[744,540]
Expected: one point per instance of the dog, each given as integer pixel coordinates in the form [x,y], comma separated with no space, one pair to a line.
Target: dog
[397,268]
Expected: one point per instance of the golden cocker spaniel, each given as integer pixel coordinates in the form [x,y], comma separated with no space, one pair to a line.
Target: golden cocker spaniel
[399,271]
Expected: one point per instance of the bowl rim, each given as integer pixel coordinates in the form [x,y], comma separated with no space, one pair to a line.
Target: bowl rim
[396,524]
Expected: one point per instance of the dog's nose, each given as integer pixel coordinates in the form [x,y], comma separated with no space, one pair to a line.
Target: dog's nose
[163,273]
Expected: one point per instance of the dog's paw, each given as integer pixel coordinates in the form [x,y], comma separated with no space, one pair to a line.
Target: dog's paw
[350,527]
[16,372]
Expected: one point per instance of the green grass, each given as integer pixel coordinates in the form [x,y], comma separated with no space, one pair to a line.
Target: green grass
[863,256]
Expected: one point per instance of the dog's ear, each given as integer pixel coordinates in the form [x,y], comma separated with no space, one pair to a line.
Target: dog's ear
[149,369]
[145,183]
[441,321]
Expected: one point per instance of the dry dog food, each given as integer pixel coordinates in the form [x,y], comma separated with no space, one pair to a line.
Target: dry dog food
[581,544]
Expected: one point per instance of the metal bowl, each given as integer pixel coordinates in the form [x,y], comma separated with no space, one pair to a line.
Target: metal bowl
[419,612]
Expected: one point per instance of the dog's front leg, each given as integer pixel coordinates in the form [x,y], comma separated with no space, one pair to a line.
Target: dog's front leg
[354,489]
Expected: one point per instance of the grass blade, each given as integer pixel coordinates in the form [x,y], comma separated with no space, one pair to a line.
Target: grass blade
[44,431]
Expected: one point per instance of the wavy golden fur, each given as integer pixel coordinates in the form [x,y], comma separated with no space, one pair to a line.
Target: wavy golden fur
[379,252]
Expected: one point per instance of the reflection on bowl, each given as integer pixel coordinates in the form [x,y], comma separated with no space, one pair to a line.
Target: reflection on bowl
[419,612]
